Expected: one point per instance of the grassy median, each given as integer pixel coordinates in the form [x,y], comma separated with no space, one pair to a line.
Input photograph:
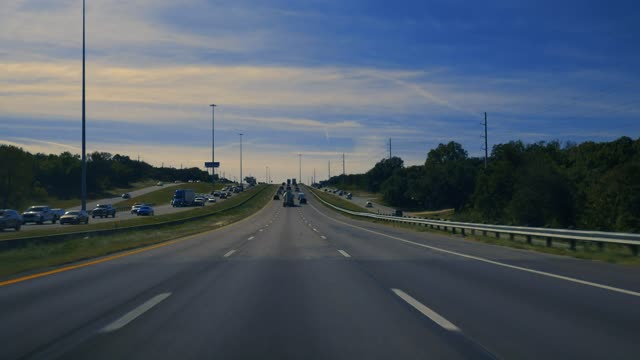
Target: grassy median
[42,256]
[612,253]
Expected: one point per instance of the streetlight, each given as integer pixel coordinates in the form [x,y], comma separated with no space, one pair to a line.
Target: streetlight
[84,156]
[213,169]
[241,158]
[266,174]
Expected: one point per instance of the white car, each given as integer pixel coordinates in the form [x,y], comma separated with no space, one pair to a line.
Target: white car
[369,204]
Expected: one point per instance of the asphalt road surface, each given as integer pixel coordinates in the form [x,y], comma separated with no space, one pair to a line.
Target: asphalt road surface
[307,283]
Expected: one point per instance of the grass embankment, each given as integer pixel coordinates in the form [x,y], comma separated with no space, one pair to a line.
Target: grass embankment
[612,253]
[81,248]
[164,194]
[69,203]
[446,214]
[338,201]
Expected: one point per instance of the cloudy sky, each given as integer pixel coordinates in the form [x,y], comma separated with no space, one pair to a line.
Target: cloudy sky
[317,78]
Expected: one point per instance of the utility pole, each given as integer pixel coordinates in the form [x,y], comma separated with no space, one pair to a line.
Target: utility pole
[486,144]
[343,172]
[314,176]
[241,158]
[300,167]
[389,148]
[84,149]
[329,170]
[213,158]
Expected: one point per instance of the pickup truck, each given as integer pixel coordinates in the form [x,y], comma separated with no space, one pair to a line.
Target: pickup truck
[38,214]
[103,210]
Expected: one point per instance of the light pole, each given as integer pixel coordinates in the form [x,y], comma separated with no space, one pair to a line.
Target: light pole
[240,158]
[84,151]
[213,159]
[266,174]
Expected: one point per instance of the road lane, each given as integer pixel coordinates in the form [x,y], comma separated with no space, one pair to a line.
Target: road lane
[514,314]
[286,294]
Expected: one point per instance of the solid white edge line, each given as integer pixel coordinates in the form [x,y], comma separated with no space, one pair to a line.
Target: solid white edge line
[538,272]
[434,316]
[135,313]
[229,253]
[344,253]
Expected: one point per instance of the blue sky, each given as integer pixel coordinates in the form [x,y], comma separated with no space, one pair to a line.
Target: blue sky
[320,78]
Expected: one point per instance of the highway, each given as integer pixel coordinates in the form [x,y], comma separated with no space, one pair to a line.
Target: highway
[159,209]
[308,283]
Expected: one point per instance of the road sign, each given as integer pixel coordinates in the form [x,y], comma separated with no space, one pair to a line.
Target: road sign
[210,164]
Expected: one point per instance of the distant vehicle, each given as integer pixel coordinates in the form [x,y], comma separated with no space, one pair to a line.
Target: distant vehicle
[198,201]
[297,189]
[126,196]
[369,204]
[58,213]
[211,200]
[75,217]
[398,213]
[135,207]
[276,197]
[288,199]
[216,193]
[302,198]
[190,181]
[10,219]
[349,196]
[293,182]
[176,182]
[38,214]
[145,210]
[103,210]
[223,195]
[183,197]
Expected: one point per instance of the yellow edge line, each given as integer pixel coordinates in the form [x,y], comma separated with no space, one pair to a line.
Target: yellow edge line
[117,256]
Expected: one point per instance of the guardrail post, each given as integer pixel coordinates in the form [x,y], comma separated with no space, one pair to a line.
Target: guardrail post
[634,249]
[549,241]
[484,232]
[462,232]
[511,237]
[453,230]
[572,243]
[497,235]
[473,231]
[601,246]
[529,239]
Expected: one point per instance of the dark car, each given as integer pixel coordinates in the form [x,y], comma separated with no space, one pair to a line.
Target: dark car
[126,196]
[75,217]
[223,195]
[145,210]
[103,210]
[276,197]
[10,219]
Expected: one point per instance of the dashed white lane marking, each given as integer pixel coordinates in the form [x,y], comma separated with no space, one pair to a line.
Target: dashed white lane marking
[229,253]
[251,238]
[344,253]
[323,237]
[135,313]
[434,316]
[497,263]
[314,229]
[261,230]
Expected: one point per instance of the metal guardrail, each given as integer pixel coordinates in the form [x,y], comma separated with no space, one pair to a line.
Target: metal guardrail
[571,236]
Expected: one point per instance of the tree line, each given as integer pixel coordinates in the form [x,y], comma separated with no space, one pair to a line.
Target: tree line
[587,186]
[26,178]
